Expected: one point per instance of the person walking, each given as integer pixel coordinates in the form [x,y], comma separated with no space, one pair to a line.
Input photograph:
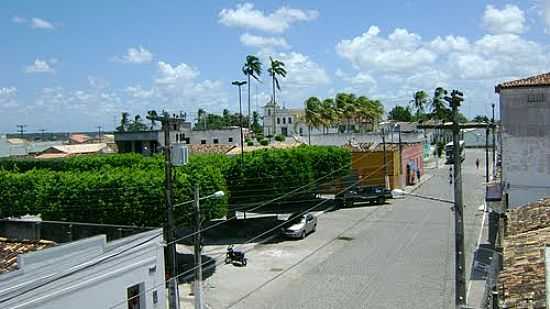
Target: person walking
[477,163]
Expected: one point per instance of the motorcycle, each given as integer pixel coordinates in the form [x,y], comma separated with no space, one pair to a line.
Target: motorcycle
[235,256]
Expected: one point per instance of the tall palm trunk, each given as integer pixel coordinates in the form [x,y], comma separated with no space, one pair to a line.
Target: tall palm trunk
[274,108]
[248,117]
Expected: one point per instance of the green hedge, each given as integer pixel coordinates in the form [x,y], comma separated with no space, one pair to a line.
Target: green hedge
[129,189]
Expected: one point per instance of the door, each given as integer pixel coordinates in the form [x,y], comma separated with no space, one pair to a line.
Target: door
[284,131]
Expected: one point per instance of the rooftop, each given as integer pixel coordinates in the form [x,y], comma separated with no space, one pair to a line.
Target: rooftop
[9,250]
[527,233]
[533,81]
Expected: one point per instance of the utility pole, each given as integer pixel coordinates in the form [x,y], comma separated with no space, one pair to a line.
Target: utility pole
[42,134]
[21,129]
[400,152]
[198,259]
[169,228]
[487,155]
[239,84]
[460,278]
[99,133]
[494,142]
[386,178]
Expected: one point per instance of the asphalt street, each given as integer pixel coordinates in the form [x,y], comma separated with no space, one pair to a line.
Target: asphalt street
[400,255]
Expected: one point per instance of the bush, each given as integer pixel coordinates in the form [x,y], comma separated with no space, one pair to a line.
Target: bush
[264,142]
[129,189]
[269,136]
[250,143]
[280,138]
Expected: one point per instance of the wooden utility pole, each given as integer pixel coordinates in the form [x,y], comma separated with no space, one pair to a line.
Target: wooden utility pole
[198,249]
[386,178]
[169,227]
[460,270]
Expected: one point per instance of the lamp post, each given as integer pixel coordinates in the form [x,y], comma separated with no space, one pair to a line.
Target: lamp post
[240,84]
[494,142]
[199,304]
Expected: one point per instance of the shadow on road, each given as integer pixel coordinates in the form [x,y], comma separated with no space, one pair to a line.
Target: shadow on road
[186,263]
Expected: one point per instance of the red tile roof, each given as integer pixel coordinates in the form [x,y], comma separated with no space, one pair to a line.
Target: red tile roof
[9,250]
[533,81]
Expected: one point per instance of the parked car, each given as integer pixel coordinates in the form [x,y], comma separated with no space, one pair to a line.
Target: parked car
[377,195]
[300,226]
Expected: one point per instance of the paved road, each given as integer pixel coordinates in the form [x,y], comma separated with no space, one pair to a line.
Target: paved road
[394,256]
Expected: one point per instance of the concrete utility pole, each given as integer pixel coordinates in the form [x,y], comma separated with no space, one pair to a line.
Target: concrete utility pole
[460,276]
[400,153]
[197,247]
[21,129]
[494,139]
[169,227]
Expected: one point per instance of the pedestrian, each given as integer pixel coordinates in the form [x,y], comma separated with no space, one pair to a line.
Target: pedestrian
[417,174]
[477,163]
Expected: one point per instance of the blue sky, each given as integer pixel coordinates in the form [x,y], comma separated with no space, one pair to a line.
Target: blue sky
[74,65]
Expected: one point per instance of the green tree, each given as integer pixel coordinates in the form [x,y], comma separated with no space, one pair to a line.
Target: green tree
[312,114]
[152,114]
[252,67]
[256,126]
[439,109]
[481,118]
[137,125]
[400,113]
[328,114]
[124,122]
[276,69]
[419,102]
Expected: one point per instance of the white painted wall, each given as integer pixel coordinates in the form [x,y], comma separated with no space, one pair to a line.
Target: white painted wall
[103,285]
[525,144]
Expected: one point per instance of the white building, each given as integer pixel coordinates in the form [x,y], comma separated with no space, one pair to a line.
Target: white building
[525,117]
[89,273]
[287,121]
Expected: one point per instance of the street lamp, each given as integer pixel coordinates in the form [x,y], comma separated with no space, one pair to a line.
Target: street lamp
[239,84]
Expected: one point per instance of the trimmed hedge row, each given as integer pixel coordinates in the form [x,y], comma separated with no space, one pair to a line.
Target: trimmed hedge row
[129,189]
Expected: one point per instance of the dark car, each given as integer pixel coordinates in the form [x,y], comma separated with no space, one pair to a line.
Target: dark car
[375,195]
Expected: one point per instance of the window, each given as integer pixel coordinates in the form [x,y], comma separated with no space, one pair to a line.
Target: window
[230,140]
[535,98]
[269,112]
[135,300]
[187,140]
[289,120]
[284,120]
[203,141]
[216,141]
[278,120]
[301,131]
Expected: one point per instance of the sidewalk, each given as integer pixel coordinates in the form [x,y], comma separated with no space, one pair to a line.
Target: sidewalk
[414,187]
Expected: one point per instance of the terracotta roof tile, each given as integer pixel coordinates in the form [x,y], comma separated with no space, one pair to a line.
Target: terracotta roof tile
[533,81]
[9,250]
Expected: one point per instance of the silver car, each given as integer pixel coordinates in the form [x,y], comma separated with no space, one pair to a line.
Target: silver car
[300,226]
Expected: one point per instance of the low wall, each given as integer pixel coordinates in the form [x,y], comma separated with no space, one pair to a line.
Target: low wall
[61,232]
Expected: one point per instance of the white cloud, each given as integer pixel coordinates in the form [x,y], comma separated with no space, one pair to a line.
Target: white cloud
[246,16]
[19,20]
[41,66]
[135,55]
[511,19]
[402,51]
[170,75]
[38,23]
[403,62]
[263,42]
[8,97]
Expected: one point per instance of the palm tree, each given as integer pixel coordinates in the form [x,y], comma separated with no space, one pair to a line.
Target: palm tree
[346,108]
[151,115]
[328,114]
[419,101]
[124,122]
[276,68]
[438,106]
[312,116]
[252,67]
